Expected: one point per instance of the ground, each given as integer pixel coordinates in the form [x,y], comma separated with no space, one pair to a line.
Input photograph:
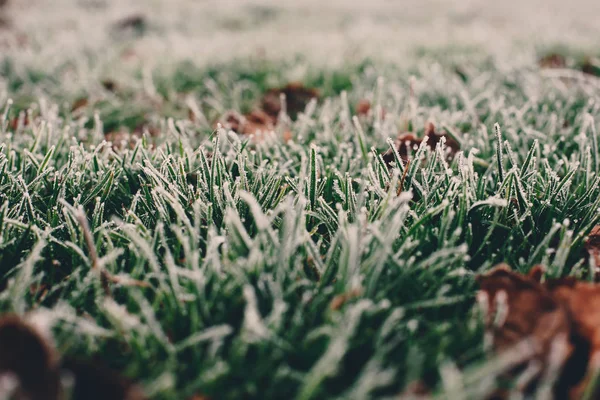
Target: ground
[311,261]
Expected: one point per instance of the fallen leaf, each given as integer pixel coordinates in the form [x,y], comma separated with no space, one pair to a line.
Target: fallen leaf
[451,146]
[592,245]
[363,109]
[405,145]
[408,143]
[135,23]
[26,354]
[552,60]
[109,85]
[296,98]
[582,301]
[518,309]
[591,66]
[79,103]
[255,123]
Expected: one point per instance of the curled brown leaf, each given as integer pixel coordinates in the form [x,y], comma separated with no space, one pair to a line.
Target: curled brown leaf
[297,96]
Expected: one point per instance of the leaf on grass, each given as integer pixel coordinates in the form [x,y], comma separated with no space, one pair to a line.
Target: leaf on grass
[518,308]
[109,84]
[408,143]
[590,66]
[297,96]
[135,24]
[79,104]
[34,363]
[29,358]
[256,123]
[582,301]
[364,109]
[552,60]
[592,245]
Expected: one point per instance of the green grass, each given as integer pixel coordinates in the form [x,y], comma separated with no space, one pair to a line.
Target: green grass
[245,246]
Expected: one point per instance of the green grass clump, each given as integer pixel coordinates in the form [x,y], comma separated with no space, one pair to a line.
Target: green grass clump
[244,246]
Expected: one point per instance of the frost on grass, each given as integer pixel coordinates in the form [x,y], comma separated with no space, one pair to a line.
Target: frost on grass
[337,264]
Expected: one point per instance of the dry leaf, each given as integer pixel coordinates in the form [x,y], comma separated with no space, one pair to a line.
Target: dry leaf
[26,355]
[109,85]
[408,143]
[79,103]
[363,109]
[592,245]
[552,60]
[582,301]
[296,98]
[133,22]
[519,308]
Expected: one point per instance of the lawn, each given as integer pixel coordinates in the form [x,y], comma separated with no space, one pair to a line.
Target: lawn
[325,258]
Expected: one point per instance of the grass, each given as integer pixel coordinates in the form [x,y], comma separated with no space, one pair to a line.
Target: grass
[291,270]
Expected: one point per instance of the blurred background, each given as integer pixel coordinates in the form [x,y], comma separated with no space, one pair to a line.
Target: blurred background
[328,31]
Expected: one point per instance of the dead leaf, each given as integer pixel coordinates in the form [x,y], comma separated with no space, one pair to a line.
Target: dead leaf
[109,85]
[451,147]
[592,245]
[408,143]
[552,60]
[256,123]
[363,109]
[79,103]
[136,23]
[582,301]
[297,96]
[27,355]
[518,309]
[591,66]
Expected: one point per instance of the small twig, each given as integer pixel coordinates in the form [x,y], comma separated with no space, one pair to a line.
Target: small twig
[105,276]
[89,241]
[400,188]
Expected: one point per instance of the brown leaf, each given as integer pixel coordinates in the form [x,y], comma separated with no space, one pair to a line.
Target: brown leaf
[363,109]
[519,308]
[582,301]
[255,123]
[452,147]
[93,381]
[134,22]
[591,66]
[79,103]
[592,245]
[527,308]
[552,60]
[24,353]
[296,98]
[408,143]
[109,85]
